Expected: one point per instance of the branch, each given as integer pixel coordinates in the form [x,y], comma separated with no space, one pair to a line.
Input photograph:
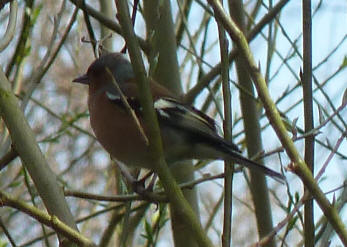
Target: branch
[107,22]
[46,219]
[177,199]
[23,140]
[299,166]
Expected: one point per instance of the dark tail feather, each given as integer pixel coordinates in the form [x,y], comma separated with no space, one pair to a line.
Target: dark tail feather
[238,158]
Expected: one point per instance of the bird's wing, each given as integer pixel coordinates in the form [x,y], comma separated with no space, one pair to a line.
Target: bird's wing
[180,114]
[197,125]
[183,117]
[203,129]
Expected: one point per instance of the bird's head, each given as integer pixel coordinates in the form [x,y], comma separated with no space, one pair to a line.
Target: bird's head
[120,68]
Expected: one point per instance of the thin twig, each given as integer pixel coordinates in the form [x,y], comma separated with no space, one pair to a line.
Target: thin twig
[128,108]
[331,155]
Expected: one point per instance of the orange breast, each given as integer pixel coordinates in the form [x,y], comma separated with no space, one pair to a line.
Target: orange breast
[117,132]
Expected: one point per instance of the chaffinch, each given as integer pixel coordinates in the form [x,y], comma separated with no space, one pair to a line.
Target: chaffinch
[186,132]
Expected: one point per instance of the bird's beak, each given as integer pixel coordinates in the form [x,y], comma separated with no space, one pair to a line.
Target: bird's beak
[82,79]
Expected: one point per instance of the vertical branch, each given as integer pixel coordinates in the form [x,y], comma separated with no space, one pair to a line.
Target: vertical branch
[106,7]
[181,206]
[180,25]
[161,34]
[160,28]
[250,114]
[228,166]
[308,113]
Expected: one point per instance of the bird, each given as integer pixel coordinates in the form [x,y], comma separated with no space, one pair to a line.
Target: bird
[186,132]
